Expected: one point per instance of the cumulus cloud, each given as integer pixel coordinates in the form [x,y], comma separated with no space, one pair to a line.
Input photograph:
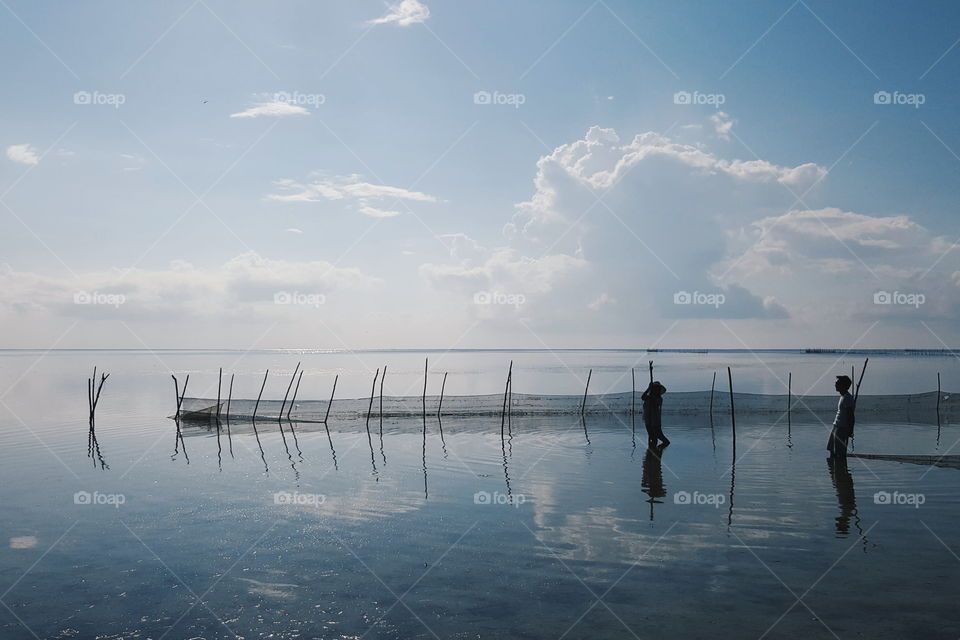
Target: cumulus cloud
[615,228]
[23,154]
[404,13]
[276,108]
[366,198]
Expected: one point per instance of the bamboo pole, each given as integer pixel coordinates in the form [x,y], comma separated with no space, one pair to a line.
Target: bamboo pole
[442,387]
[733,416]
[712,386]
[294,400]
[633,391]
[256,406]
[179,395]
[373,391]
[230,396]
[583,405]
[289,386]
[219,386]
[938,392]
[789,392]
[503,411]
[510,403]
[426,362]
[856,392]
[330,404]
[382,378]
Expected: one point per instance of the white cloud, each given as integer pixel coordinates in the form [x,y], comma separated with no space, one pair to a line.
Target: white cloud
[295,231]
[404,13]
[722,124]
[274,108]
[243,285]
[23,154]
[373,212]
[363,196]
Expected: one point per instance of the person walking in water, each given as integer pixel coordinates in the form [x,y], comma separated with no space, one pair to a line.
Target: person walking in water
[652,405]
[844,420]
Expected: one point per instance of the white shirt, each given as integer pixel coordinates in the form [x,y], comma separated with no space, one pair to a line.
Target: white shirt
[844,417]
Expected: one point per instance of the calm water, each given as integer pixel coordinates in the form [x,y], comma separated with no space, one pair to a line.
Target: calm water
[565,530]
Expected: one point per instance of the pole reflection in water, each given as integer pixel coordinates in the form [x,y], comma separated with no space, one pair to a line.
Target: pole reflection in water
[293,465]
[333,453]
[93,448]
[178,443]
[263,457]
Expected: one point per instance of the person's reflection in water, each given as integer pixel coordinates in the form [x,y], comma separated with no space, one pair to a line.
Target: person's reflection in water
[846,496]
[652,479]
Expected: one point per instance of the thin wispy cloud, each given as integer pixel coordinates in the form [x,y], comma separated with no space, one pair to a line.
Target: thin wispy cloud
[404,13]
[274,109]
[374,200]
[23,154]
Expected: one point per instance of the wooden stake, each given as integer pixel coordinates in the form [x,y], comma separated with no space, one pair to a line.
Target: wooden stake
[294,400]
[733,416]
[856,393]
[373,391]
[633,392]
[583,405]
[219,385]
[712,385]
[426,362]
[256,406]
[180,395]
[382,378]
[938,392]
[789,392]
[330,404]
[442,387]
[651,370]
[289,386]
[229,397]
[506,389]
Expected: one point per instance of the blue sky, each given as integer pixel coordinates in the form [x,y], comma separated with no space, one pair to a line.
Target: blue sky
[379,197]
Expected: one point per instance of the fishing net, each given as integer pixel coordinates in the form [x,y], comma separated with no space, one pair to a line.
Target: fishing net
[907,407]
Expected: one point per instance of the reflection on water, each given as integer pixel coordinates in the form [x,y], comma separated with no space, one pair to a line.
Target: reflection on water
[652,480]
[480,534]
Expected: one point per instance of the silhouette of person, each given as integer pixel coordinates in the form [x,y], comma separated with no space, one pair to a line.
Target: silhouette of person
[652,409]
[843,422]
[652,479]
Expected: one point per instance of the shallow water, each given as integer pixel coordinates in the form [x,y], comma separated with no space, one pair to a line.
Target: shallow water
[564,530]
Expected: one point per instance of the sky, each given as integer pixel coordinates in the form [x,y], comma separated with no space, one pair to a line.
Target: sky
[451,174]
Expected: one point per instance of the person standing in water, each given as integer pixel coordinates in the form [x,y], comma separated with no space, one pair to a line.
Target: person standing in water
[652,405]
[844,420]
